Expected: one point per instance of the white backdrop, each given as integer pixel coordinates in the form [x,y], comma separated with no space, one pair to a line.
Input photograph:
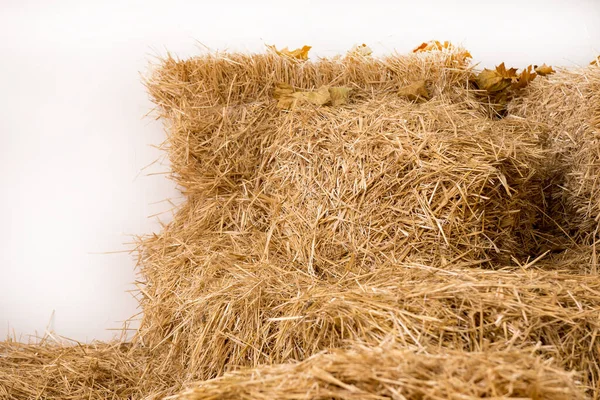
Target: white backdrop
[74,140]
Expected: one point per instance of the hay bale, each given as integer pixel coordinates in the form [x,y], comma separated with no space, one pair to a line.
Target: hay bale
[261,314]
[395,372]
[309,228]
[436,180]
[568,103]
[373,220]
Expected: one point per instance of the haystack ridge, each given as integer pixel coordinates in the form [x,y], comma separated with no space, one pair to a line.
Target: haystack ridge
[383,246]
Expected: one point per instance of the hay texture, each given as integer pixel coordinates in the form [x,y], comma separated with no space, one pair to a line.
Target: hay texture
[308,228]
[568,103]
[51,369]
[358,227]
[395,373]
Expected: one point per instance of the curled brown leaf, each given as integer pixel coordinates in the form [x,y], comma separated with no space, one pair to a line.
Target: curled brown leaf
[544,69]
[526,76]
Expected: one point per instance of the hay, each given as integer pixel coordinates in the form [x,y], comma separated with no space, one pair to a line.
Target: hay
[568,103]
[268,315]
[326,184]
[455,236]
[392,372]
[52,370]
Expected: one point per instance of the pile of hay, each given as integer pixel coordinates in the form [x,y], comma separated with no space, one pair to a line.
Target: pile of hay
[385,246]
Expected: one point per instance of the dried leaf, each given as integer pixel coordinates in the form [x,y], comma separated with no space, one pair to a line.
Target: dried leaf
[460,57]
[319,97]
[283,93]
[432,45]
[298,54]
[288,98]
[282,90]
[360,50]
[497,79]
[544,69]
[596,62]
[287,102]
[339,95]
[416,91]
[420,47]
[526,76]
[510,73]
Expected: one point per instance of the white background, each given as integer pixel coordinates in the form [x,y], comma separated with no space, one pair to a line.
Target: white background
[74,140]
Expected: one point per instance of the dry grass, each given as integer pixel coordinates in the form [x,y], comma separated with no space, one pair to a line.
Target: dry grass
[393,372]
[568,103]
[52,370]
[264,314]
[462,239]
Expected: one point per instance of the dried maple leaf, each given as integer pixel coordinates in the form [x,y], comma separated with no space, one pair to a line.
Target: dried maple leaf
[463,55]
[360,50]
[544,69]
[339,95]
[460,56]
[287,97]
[298,54]
[282,90]
[416,91]
[524,78]
[420,47]
[319,97]
[510,73]
[496,80]
[432,45]
[284,94]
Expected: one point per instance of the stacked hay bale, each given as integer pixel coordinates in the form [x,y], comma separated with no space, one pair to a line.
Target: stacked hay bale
[316,227]
[400,373]
[568,103]
[382,242]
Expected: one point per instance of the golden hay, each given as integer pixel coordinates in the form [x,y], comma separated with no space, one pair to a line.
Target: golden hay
[265,314]
[393,372]
[568,103]
[49,370]
[455,236]
[308,228]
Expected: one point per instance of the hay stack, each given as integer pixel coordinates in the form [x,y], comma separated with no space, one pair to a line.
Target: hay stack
[393,372]
[268,315]
[307,229]
[311,236]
